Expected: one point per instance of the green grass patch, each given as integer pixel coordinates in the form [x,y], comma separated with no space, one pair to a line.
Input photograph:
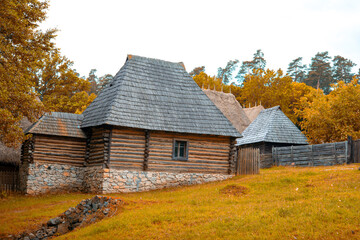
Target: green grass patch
[279,203]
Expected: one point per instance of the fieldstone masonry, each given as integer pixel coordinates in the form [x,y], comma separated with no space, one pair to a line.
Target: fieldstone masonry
[37,178]
[135,181]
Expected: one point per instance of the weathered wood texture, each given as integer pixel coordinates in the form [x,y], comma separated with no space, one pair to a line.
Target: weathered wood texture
[266,159]
[62,150]
[207,154]
[356,151]
[311,155]
[9,179]
[27,150]
[98,148]
[128,148]
[248,161]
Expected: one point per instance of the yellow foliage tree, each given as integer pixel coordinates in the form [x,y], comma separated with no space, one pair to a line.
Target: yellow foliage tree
[331,118]
[271,88]
[21,45]
[59,86]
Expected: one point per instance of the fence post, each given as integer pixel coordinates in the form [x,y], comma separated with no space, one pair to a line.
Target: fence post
[334,151]
[312,155]
[350,149]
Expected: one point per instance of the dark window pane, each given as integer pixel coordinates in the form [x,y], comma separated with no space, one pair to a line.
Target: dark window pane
[182,149]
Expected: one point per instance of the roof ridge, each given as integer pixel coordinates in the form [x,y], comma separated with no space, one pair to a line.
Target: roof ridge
[131,56]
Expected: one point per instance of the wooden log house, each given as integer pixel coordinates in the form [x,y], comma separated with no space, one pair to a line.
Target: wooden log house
[152,117]
[56,138]
[271,128]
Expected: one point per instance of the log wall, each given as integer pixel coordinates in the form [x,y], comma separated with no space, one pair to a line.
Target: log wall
[62,150]
[97,147]
[206,154]
[27,149]
[127,148]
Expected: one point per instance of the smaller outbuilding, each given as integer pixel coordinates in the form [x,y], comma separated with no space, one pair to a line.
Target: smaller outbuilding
[271,128]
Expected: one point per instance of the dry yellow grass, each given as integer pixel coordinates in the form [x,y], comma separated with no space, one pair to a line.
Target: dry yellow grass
[280,203]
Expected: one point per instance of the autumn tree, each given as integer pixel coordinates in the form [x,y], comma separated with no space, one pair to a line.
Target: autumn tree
[226,73]
[21,45]
[59,87]
[320,72]
[297,70]
[197,71]
[271,88]
[342,69]
[332,117]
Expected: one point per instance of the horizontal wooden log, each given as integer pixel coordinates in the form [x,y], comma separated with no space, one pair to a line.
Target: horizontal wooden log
[59,155]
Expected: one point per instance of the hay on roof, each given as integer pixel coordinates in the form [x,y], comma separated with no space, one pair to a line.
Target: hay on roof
[230,107]
[253,112]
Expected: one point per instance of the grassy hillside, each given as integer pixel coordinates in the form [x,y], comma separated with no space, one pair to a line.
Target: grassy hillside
[280,203]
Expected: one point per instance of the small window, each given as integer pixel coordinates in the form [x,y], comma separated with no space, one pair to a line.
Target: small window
[180,150]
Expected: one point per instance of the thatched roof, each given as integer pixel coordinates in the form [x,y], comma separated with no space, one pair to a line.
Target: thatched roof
[11,156]
[157,95]
[272,125]
[230,107]
[253,112]
[58,124]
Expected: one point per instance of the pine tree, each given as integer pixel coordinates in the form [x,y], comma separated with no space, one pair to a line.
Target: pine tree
[226,73]
[248,67]
[320,74]
[297,70]
[342,69]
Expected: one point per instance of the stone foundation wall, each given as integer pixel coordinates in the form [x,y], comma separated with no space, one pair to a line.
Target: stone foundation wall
[37,178]
[135,181]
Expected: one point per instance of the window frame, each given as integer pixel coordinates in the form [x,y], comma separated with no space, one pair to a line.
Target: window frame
[186,150]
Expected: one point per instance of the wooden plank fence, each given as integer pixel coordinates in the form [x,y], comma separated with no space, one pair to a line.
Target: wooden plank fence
[247,161]
[9,180]
[311,155]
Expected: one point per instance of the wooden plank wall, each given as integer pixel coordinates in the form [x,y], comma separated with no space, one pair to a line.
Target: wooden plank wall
[63,150]
[248,161]
[207,154]
[127,148]
[9,179]
[311,155]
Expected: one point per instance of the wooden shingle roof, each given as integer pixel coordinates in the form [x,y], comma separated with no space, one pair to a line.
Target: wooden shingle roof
[58,124]
[272,125]
[157,95]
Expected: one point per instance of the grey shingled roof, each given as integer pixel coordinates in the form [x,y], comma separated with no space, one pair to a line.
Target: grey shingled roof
[272,125]
[157,95]
[58,124]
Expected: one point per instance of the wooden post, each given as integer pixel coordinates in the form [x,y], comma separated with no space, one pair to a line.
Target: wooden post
[232,151]
[292,155]
[146,150]
[350,150]
[312,155]
[334,152]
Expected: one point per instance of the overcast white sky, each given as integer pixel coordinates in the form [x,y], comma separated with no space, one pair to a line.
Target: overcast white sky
[100,34]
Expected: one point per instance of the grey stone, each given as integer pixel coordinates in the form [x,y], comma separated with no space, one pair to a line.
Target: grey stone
[54,221]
